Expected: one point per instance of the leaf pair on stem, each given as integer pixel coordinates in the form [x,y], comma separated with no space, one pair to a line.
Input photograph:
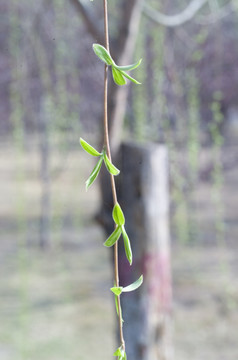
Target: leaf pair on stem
[102,157]
[119,219]
[120,352]
[118,72]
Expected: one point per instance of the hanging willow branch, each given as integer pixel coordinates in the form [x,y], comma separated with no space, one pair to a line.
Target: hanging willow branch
[120,76]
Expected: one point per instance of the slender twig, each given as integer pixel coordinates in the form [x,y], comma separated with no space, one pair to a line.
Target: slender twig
[113,185]
[88,20]
[175,20]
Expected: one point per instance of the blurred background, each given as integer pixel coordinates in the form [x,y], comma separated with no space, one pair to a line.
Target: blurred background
[55,273]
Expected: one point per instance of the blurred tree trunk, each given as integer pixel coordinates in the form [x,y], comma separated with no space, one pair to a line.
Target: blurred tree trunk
[144,197]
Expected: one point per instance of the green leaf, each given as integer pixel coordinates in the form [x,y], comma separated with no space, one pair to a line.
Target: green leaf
[117,76]
[118,352]
[88,148]
[116,303]
[117,290]
[94,173]
[103,54]
[130,78]
[110,167]
[134,285]
[128,67]
[112,239]
[118,215]
[127,245]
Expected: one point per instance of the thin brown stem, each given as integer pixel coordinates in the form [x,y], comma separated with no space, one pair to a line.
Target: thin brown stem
[113,185]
